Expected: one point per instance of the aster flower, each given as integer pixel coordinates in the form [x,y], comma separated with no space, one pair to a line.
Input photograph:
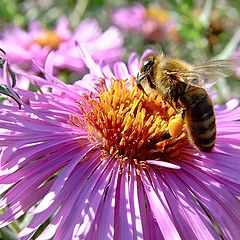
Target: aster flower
[93,159]
[35,44]
[154,23]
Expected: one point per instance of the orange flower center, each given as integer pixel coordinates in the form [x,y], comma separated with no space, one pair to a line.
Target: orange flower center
[130,125]
[157,14]
[48,38]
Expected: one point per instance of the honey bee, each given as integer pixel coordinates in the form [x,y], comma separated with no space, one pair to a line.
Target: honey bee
[181,86]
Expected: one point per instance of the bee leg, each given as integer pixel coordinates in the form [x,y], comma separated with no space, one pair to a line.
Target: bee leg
[178,108]
[173,106]
[142,89]
[165,135]
[183,112]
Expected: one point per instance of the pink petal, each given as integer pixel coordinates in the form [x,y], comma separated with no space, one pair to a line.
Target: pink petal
[163,164]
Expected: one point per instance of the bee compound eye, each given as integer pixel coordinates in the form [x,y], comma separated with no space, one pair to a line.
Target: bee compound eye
[147,64]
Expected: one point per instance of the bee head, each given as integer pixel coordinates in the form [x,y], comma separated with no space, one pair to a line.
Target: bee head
[145,70]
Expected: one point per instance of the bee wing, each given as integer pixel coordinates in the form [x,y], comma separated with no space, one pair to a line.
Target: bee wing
[208,71]
[192,78]
[216,69]
[216,64]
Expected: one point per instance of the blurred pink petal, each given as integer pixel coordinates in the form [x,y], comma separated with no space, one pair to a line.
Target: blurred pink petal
[22,47]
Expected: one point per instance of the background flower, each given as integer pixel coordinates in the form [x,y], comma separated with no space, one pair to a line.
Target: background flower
[22,47]
[65,160]
[154,23]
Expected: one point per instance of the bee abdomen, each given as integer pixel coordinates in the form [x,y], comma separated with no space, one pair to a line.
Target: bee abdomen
[200,119]
[202,132]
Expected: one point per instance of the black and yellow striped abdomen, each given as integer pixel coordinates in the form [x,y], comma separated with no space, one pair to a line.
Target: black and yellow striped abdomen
[199,118]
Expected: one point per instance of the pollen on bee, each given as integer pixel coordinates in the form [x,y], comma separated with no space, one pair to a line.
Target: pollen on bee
[175,125]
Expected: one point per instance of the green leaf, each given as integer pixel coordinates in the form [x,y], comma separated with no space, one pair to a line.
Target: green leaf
[5,91]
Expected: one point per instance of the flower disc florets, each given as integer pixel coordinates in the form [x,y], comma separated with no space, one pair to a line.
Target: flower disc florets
[48,38]
[128,124]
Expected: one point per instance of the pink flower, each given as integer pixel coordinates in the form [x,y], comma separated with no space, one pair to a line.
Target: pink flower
[93,159]
[35,44]
[153,23]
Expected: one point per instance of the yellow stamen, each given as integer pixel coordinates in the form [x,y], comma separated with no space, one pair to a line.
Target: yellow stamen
[129,125]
